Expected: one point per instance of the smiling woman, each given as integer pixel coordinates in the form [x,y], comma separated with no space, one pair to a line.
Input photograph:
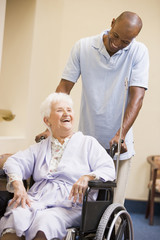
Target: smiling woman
[61,117]
[61,166]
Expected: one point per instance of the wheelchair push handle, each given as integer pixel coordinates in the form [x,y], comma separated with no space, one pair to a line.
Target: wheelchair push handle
[113,149]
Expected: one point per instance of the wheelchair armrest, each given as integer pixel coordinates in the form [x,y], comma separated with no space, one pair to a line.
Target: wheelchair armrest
[93,209]
[100,184]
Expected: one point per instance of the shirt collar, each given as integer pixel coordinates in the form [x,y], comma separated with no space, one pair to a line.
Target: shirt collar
[57,143]
[99,45]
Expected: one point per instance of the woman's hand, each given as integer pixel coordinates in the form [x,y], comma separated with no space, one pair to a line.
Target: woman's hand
[20,195]
[79,188]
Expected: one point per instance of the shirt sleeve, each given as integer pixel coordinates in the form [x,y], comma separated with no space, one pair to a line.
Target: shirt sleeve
[140,69]
[22,163]
[72,69]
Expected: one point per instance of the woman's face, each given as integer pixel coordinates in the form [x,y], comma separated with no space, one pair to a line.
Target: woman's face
[61,117]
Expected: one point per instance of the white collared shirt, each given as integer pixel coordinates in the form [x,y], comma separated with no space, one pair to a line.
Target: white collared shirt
[103,85]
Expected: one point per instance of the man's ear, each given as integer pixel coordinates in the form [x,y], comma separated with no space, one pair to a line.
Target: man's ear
[113,22]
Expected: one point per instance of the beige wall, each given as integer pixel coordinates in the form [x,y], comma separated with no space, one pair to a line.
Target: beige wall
[38,37]
[2,21]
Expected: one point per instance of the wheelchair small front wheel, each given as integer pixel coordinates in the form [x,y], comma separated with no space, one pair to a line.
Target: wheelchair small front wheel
[115,224]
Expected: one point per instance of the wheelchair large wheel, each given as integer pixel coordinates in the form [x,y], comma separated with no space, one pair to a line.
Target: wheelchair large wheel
[115,224]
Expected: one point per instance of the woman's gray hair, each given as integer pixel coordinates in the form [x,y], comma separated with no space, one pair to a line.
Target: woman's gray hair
[45,108]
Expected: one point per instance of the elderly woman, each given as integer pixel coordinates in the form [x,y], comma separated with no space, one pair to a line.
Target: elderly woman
[61,166]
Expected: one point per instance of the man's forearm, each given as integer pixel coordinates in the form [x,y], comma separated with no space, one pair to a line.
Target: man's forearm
[136,95]
[133,107]
[65,86]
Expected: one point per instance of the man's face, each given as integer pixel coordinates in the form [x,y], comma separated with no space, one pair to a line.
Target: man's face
[119,37]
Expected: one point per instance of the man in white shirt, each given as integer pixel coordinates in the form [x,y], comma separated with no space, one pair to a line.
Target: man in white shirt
[104,62]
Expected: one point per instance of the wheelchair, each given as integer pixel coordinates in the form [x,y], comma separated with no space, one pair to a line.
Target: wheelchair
[99,218]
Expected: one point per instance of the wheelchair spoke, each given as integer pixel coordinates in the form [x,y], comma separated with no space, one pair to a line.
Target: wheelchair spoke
[121,230]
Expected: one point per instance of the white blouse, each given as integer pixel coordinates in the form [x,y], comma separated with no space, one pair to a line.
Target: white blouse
[57,150]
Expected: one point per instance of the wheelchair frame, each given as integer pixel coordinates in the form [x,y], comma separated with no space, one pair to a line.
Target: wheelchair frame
[99,218]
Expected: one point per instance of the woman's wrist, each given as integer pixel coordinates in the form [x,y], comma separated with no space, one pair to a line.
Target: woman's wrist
[92,176]
[17,183]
